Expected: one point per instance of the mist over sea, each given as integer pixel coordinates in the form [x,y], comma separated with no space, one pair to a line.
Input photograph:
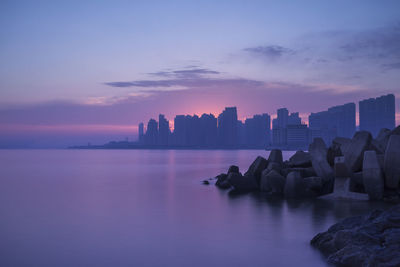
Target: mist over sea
[149,208]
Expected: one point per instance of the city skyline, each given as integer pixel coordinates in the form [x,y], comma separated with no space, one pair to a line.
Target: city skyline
[288,131]
[73,72]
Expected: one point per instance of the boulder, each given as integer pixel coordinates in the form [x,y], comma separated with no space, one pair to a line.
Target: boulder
[274,166]
[320,164]
[376,146]
[300,159]
[272,181]
[255,169]
[313,186]
[372,176]
[241,183]
[275,156]
[340,168]
[304,172]
[382,138]
[395,131]
[354,151]
[222,181]
[340,141]
[333,152]
[357,183]
[369,240]
[392,162]
[233,168]
[294,186]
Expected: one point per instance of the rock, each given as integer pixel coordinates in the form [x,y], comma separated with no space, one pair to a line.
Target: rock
[341,191]
[275,156]
[372,176]
[340,168]
[369,240]
[320,164]
[340,141]
[222,181]
[392,162]
[205,182]
[395,131]
[294,186]
[255,169]
[357,183]
[233,168]
[304,172]
[274,166]
[241,183]
[272,181]
[313,186]
[382,139]
[354,151]
[333,152]
[376,147]
[300,159]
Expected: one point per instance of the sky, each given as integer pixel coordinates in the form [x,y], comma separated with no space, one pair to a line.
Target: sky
[73,72]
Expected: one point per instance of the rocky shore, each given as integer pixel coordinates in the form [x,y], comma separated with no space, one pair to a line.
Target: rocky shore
[357,168]
[360,168]
[369,240]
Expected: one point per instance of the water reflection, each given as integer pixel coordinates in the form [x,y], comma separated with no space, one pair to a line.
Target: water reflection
[149,208]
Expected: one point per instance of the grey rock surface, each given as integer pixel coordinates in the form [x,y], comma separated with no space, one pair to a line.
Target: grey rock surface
[369,240]
[372,176]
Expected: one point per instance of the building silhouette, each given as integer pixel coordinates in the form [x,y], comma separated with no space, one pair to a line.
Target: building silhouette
[288,131]
[257,131]
[151,137]
[163,130]
[377,113]
[227,128]
[337,121]
[141,133]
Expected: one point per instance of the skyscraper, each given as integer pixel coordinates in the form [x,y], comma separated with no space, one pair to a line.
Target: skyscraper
[258,131]
[151,137]
[141,133]
[377,113]
[227,128]
[336,121]
[208,128]
[163,130]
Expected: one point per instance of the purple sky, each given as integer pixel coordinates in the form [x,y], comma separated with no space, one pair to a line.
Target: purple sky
[77,72]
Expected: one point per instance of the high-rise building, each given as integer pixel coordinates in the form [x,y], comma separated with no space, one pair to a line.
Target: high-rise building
[208,130]
[151,137]
[163,130]
[337,121]
[258,131]
[377,113]
[179,135]
[141,133]
[297,136]
[227,128]
[280,126]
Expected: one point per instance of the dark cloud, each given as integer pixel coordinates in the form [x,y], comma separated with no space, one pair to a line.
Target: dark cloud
[270,51]
[190,72]
[391,66]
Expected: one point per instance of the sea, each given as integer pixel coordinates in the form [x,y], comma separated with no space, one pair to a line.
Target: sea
[150,208]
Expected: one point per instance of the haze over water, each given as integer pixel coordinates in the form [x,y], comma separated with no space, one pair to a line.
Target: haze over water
[149,208]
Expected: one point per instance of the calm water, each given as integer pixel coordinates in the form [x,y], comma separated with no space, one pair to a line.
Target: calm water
[148,208]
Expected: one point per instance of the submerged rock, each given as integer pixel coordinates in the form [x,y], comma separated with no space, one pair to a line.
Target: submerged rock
[256,168]
[272,181]
[370,240]
[233,168]
[241,183]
